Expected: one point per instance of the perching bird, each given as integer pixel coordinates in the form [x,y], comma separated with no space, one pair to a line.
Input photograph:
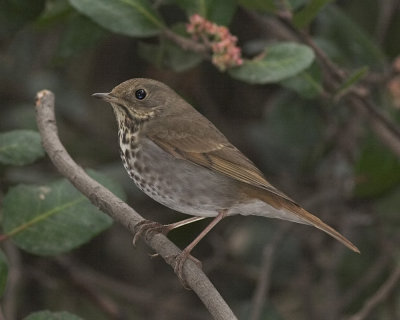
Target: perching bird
[180,159]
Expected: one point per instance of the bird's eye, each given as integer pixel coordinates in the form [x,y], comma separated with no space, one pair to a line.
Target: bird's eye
[140,94]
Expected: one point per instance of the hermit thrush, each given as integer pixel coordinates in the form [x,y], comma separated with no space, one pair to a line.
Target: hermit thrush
[180,159]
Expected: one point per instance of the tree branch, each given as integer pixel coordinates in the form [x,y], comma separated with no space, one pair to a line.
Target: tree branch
[371,274]
[380,295]
[264,281]
[130,294]
[359,97]
[107,202]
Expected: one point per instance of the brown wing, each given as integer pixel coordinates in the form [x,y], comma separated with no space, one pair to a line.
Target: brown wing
[200,142]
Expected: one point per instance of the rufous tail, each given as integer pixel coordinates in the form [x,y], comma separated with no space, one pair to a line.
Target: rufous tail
[285,203]
[316,222]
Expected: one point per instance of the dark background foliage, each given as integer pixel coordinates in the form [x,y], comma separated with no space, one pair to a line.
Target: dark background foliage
[309,133]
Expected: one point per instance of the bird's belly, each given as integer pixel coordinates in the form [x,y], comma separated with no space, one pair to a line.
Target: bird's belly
[177,183]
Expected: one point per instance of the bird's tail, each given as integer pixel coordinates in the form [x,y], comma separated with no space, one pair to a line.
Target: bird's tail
[318,223]
[289,210]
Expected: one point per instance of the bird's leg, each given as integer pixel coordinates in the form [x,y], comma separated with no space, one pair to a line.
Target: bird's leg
[185,254]
[181,223]
[148,226]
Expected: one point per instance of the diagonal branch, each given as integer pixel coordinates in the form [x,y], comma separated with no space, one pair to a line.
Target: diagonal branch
[187,43]
[379,296]
[264,282]
[359,97]
[106,201]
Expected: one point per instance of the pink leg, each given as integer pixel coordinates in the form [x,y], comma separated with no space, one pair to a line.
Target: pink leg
[181,258]
[183,222]
[147,226]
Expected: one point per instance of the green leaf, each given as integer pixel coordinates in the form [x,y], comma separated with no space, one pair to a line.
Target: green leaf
[3,272]
[377,170]
[180,60]
[55,218]
[355,45]
[295,5]
[20,147]
[168,55]
[278,62]
[15,14]
[80,34]
[271,6]
[54,13]
[289,139]
[307,83]
[351,80]
[218,11]
[260,5]
[306,15]
[47,315]
[130,17]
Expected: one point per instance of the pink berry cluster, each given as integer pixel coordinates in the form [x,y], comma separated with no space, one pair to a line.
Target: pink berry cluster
[225,53]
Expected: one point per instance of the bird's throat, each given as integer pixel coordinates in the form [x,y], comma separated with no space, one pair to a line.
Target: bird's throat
[128,133]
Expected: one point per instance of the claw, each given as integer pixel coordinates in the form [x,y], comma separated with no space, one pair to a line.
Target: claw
[147,227]
[178,261]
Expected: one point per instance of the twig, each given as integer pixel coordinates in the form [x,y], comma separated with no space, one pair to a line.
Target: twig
[387,10]
[270,27]
[261,293]
[369,277]
[104,302]
[380,295]
[385,130]
[186,43]
[119,210]
[13,288]
[333,74]
[133,295]
[360,97]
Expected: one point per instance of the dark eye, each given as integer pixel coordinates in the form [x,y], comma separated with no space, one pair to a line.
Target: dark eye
[140,94]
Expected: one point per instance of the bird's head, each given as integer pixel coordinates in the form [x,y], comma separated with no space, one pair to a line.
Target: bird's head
[142,99]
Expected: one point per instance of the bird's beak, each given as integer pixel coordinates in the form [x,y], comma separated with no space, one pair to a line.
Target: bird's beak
[108,97]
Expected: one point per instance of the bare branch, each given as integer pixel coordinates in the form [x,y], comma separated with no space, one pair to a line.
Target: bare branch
[359,96]
[387,10]
[133,295]
[14,283]
[373,272]
[107,305]
[380,296]
[119,210]
[387,131]
[264,282]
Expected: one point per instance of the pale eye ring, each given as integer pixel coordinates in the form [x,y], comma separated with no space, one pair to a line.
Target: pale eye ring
[140,94]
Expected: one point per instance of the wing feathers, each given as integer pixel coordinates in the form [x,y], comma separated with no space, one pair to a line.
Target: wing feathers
[223,158]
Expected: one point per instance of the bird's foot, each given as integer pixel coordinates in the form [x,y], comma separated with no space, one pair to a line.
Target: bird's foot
[147,227]
[178,261]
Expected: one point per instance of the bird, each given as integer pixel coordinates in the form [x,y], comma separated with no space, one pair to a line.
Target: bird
[180,159]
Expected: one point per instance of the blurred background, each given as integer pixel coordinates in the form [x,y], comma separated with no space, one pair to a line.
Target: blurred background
[327,135]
